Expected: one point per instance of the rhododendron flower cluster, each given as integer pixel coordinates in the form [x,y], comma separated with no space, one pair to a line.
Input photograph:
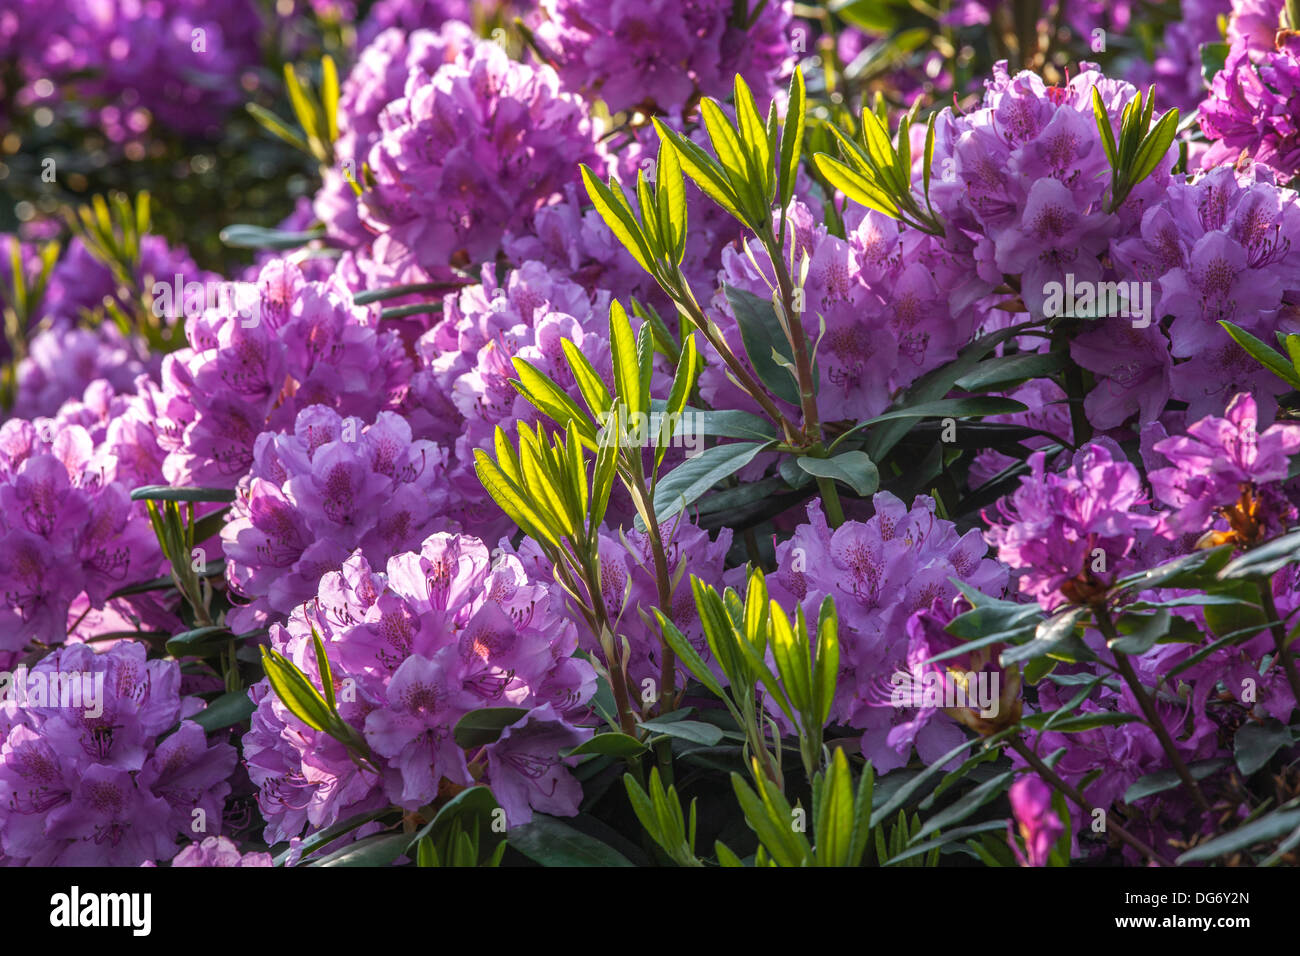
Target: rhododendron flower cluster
[881,572]
[292,344]
[102,779]
[314,496]
[177,62]
[1227,474]
[471,149]
[1071,534]
[67,527]
[1251,108]
[659,56]
[440,632]
[378,78]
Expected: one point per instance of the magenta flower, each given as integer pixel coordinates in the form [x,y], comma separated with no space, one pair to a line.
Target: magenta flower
[659,55]
[218,851]
[1225,468]
[1036,821]
[527,771]
[67,528]
[317,495]
[84,780]
[288,345]
[880,572]
[1252,106]
[443,631]
[1070,534]
[471,150]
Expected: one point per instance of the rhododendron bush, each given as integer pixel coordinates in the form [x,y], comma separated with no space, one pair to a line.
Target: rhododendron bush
[687,433]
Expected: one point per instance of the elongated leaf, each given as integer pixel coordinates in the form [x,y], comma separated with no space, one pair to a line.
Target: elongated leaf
[763,337]
[853,468]
[230,708]
[792,136]
[856,186]
[552,842]
[695,731]
[610,744]
[724,423]
[1142,637]
[770,817]
[693,477]
[382,849]
[1009,369]
[1048,636]
[726,144]
[594,391]
[624,225]
[168,493]
[483,726]
[1266,828]
[296,692]
[1265,560]
[1261,353]
[964,807]
[1155,145]
[1255,744]
[622,346]
[1102,116]
[551,400]
[689,656]
[670,192]
[703,170]
[754,140]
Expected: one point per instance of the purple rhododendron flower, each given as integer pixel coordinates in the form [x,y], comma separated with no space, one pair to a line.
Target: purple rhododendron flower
[1036,821]
[319,494]
[880,572]
[1225,474]
[1070,534]
[471,149]
[218,851]
[84,779]
[288,345]
[658,56]
[442,631]
[67,528]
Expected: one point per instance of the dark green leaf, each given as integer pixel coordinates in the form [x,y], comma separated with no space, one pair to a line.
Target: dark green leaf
[762,336]
[168,493]
[693,730]
[1255,744]
[551,842]
[381,849]
[1264,561]
[1268,827]
[695,476]
[481,727]
[611,744]
[258,237]
[228,709]
[853,468]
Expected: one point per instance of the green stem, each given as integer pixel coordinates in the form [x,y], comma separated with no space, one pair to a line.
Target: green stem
[1284,653]
[1125,668]
[1051,778]
[798,342]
